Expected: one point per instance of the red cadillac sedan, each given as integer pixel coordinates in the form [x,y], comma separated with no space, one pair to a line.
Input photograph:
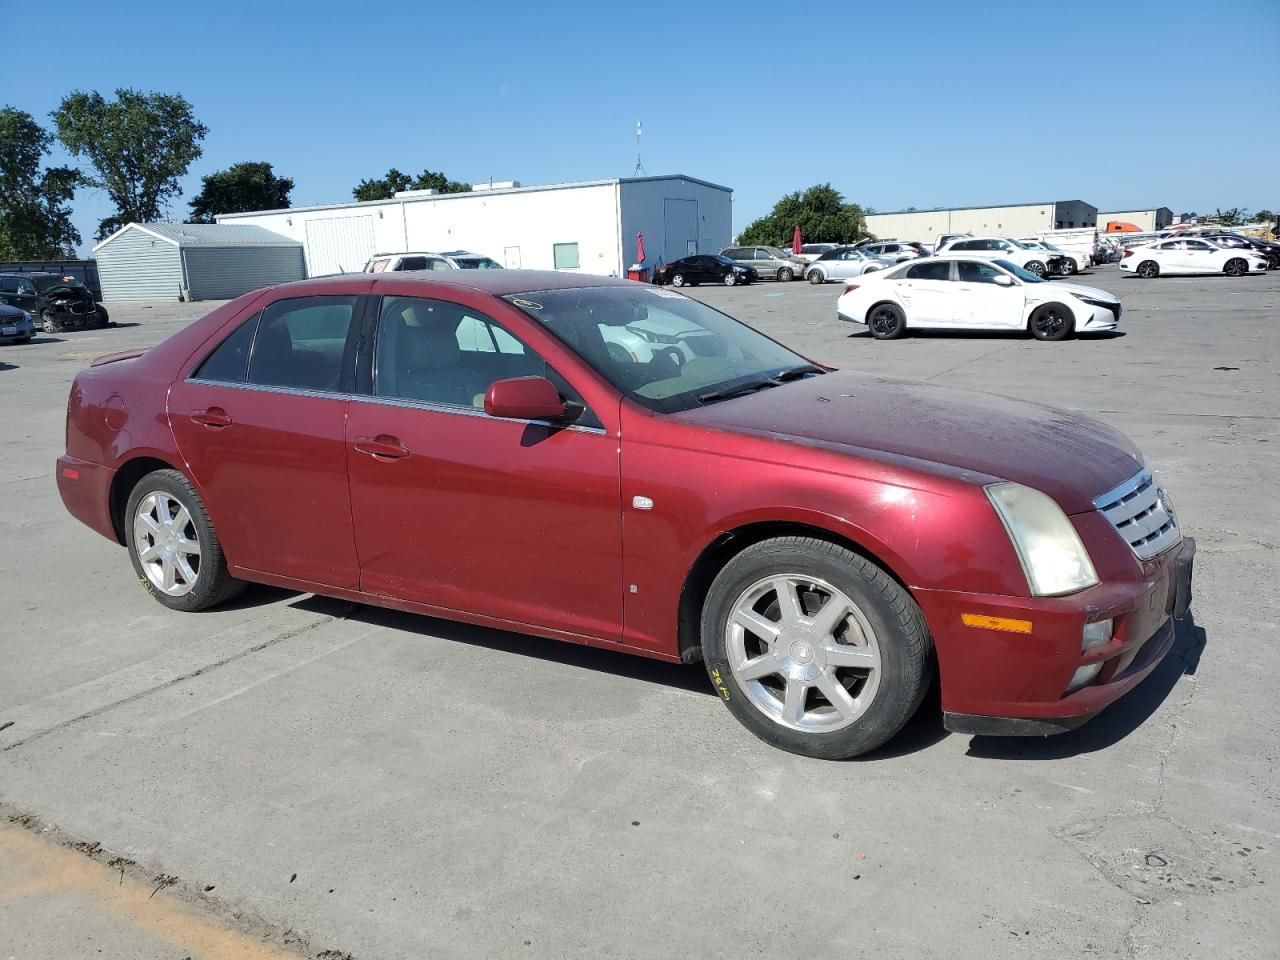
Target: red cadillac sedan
[615,464]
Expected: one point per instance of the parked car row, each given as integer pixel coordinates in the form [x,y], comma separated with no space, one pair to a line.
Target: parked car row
[48,301]
[1192,255]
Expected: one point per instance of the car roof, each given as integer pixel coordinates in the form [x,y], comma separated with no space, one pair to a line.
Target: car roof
[499,283]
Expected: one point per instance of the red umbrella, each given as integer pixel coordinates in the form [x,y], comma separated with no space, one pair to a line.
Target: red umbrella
[797,241]
[639,248]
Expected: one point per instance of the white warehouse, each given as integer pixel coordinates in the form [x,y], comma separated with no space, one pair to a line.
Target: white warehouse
[589,227]
[1008,220]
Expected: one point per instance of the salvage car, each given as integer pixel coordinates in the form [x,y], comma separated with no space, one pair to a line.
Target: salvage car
[59,302]
[823,541]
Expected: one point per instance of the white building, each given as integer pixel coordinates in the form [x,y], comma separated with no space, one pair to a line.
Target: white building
[589,227]
[1008,220]
[1157,218]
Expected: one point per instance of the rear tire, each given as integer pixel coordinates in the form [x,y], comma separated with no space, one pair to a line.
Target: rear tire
[832,676]
[173,547]
[1148,270]
[1051,322]
[1236,267]
[886,321]
[1036,267]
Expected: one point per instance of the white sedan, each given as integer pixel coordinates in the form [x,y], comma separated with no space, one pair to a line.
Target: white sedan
[1190,255]
[969,293]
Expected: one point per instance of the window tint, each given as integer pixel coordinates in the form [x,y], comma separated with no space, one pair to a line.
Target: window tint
[566,256]
[439,352]
[412,263]
[27,289]
[930,270]
[1197,245]
[435,263]
[971,272]
[763,254]
[300,343]
[1171,245]
[8,284]
[733,253]
[230,359]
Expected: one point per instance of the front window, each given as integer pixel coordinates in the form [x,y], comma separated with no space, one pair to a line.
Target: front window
[1026,276]
[664,351]
[1017,244]
[776,253]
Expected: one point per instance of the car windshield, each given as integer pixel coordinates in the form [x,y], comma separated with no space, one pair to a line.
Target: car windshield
[665,351]
[1026,276]
[779,253]
[476,263]
[1049,246]
[1020,245]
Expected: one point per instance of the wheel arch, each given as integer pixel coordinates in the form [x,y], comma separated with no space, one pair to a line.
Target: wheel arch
[126,478]
[716,554]
[881,302]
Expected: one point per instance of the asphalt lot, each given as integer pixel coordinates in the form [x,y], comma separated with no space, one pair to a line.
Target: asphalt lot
[362,781]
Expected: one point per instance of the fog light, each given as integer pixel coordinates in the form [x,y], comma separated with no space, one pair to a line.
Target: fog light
[1096,634]
[1084,676]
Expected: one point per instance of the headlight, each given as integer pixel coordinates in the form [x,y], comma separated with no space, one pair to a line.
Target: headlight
[1053,558]
[1092,301]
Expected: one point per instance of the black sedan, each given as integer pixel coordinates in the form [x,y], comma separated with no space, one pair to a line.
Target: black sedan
[705,268]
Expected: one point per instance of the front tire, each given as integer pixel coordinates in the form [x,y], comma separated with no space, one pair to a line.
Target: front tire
[1051,322]
[1036,267]
[1071,268]
[886,321]
[814,648]
[730,279]
[172,544]
[816,277]
[49,323]
[786,275]
[1236,267]
[678,280]
[1148,270]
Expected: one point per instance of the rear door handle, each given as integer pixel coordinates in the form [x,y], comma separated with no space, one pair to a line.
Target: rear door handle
[214,417]
[382,447]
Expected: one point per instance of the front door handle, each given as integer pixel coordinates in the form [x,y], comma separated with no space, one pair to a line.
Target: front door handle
[382,447]
[214,417]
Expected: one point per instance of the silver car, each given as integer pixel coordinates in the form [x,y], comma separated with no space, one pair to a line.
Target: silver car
[899,251]
[845,262]
[769,262]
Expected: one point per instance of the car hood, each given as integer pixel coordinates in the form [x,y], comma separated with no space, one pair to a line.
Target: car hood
[1069,457]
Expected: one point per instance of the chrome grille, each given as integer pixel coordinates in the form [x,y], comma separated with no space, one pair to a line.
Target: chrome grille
[1141,513]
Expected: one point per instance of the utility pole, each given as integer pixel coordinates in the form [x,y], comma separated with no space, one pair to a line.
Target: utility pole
[639,166]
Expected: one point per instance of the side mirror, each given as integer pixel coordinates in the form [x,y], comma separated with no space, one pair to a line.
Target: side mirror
[528,398]
[1003,280]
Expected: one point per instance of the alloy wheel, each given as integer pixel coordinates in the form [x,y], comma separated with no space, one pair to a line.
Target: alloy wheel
[1237,268]
[1148,269]
[167,543]
[1049,323]
[883,321]
[803,652]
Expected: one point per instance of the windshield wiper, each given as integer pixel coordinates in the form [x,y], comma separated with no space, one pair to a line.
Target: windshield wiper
[751,386]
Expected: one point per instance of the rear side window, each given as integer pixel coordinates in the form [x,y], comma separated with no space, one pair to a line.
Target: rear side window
[301,343]
[930,270]
[229,362]
[412,263]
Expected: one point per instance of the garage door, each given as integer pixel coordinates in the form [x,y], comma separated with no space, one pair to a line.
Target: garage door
[338,245]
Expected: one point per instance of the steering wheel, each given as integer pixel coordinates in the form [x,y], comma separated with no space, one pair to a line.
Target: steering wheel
[676,355]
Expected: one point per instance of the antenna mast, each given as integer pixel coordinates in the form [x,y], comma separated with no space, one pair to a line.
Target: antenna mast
[639,166]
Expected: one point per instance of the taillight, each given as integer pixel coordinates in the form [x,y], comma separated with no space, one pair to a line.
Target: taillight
[850,287]
[1127,253]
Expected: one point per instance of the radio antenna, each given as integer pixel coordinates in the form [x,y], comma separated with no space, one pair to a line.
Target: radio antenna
[639,166]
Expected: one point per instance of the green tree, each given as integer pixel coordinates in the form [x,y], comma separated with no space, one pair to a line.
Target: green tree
[241,188]
[139,145]
[1231,217]
[384,188]
[821,212]
[35,222]
[1265,216]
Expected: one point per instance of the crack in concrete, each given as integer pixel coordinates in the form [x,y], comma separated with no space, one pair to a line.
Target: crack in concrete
[173,681]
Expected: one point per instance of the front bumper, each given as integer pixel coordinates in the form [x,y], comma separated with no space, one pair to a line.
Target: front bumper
[1001,682]
[18,329]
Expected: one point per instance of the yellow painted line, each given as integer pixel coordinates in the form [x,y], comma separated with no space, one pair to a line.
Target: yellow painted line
[983,622]
[44,868]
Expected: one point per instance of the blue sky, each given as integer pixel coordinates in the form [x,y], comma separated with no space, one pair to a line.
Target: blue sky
[914,104]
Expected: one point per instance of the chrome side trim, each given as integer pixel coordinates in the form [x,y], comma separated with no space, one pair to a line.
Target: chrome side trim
[265,388]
